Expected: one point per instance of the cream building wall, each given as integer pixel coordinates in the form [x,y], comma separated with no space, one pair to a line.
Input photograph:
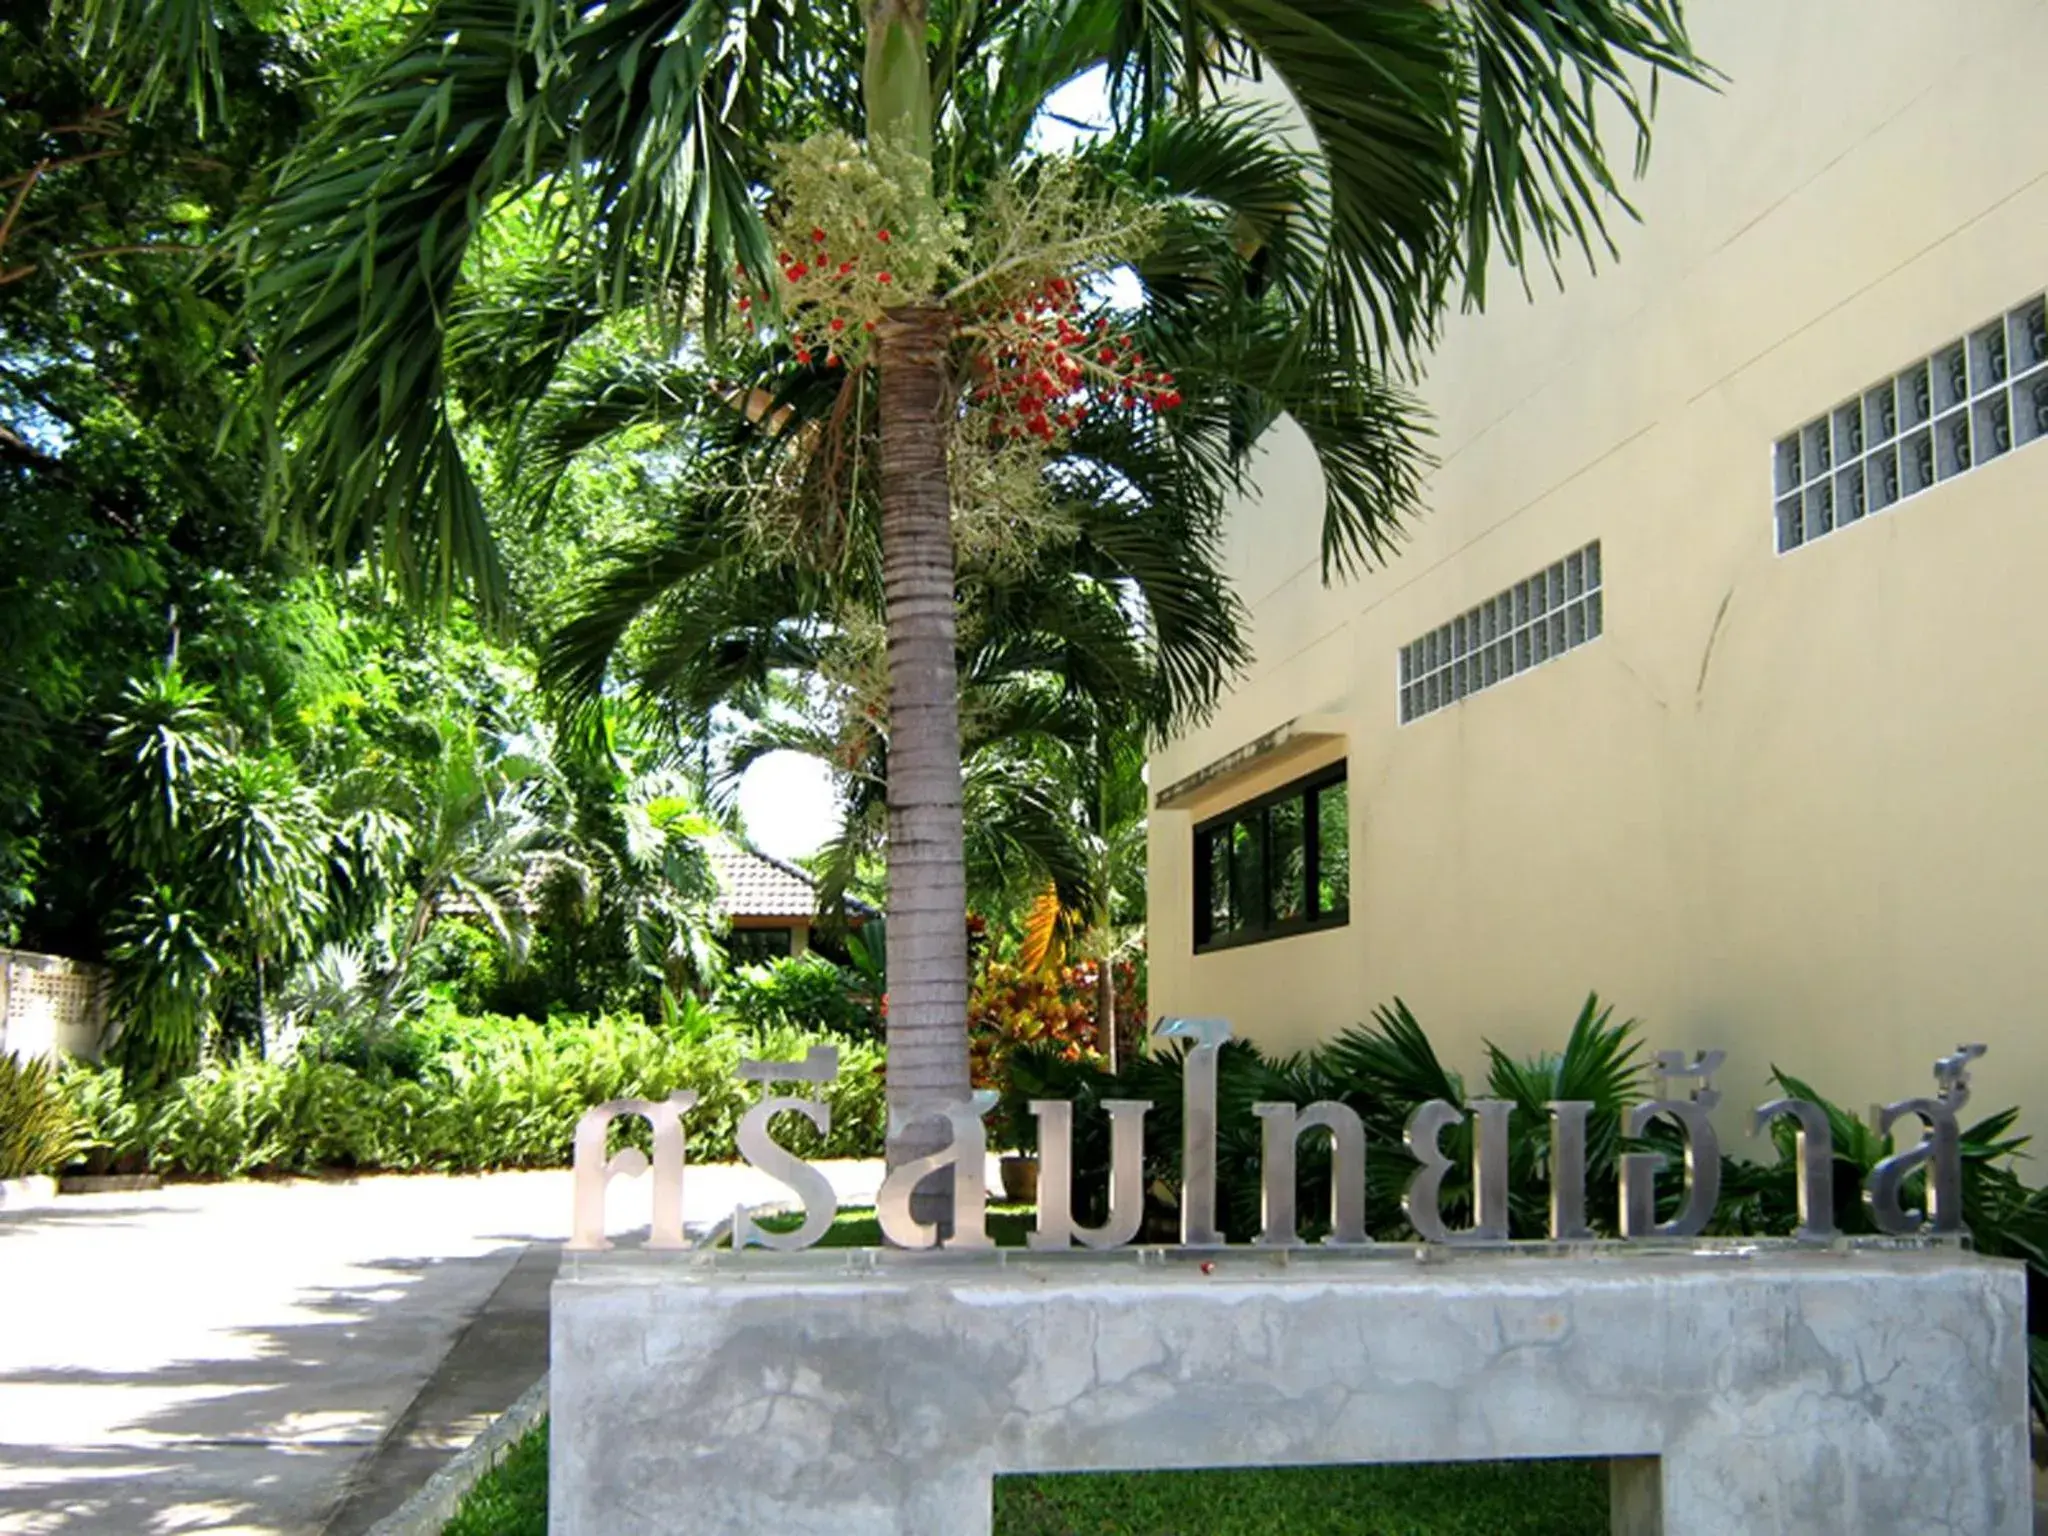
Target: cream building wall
[1793,806]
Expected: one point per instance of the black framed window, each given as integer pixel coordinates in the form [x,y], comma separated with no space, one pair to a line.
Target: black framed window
[1277,865]
[757,946]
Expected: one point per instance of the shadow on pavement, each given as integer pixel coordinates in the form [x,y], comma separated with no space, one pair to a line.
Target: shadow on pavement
[279,1439]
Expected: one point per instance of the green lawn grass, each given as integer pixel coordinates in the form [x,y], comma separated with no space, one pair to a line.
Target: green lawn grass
[856,1226]
[1529,1498]
[512,1498]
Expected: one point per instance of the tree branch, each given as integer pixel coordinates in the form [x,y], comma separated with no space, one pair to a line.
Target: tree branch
[44,167]
[23,452]
[20,197]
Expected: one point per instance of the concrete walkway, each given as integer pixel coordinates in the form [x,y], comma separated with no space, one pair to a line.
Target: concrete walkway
[280,1359]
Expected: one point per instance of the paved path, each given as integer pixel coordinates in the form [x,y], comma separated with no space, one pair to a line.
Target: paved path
[278,1359]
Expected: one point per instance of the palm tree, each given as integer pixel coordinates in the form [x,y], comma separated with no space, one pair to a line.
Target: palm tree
[1286,272]
[683,618]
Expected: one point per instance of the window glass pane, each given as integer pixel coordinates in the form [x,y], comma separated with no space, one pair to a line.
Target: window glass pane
[1290,859]
[1247,885]
[1215,850]
[1333,849]
[756,946]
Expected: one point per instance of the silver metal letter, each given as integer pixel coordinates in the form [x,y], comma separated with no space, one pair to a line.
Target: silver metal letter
[1568,1170]
[1813,1144]
[820,1202]
[1056,1225]
[1940,1149]
[1422,1204]
[966,1153]
[1198,1128]
[1702,1151]
[594,1173]
[1284,1127]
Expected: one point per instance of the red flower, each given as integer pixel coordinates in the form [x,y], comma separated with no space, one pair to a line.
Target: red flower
[882,235]
[818,236]
[803,354]
[798,271]
[883,277]
[838,325]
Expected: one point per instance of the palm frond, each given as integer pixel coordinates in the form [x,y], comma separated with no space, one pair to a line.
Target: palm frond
[1536,172]
[638,119]
[151,52]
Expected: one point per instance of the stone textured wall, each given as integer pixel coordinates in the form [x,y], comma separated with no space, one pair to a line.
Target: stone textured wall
[1804,1394]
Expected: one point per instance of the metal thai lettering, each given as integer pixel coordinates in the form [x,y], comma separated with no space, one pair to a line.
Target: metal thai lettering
[1198,1227]
[1284,1126]
[1422,1203]
[1568,1170]
[760,1149]
[1813,1152]
[1056,1228]
[966,1154]
[1702,1150]
[1939,1151]
[1685,1096]
[594,1172]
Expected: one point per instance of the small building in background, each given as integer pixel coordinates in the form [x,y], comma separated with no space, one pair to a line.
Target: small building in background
[772,906]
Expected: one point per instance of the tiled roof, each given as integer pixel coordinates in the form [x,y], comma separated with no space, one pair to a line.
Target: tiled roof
[751,884]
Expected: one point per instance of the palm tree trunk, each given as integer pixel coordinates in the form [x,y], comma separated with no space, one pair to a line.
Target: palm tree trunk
[927,1032]
[1105,1000]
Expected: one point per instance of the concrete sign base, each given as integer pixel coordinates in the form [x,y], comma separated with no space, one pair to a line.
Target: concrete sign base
[1851,1391]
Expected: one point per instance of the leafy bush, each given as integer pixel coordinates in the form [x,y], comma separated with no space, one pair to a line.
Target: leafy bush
[805,992]
[1009,1009]
[39,1130]
[490,1092]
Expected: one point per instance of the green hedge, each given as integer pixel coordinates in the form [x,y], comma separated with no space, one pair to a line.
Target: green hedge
[473,1094]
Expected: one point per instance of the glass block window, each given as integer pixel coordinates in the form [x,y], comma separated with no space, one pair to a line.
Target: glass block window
[1974,400]
[1277,865]
[1523,627]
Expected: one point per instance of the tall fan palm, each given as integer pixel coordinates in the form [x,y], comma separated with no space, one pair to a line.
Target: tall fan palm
[1282,268]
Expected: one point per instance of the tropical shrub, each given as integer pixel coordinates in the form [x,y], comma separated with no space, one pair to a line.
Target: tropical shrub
[481,1093]
[39,1130]
[1010,1008]
[803,991]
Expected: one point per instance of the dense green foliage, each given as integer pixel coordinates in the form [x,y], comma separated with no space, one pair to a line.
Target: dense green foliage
[458,1094]
[40,1131]
[130,484]
[266,797]
[804,992]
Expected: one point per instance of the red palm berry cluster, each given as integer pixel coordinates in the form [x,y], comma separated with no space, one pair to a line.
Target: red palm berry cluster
[1045,369]
[825,293]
